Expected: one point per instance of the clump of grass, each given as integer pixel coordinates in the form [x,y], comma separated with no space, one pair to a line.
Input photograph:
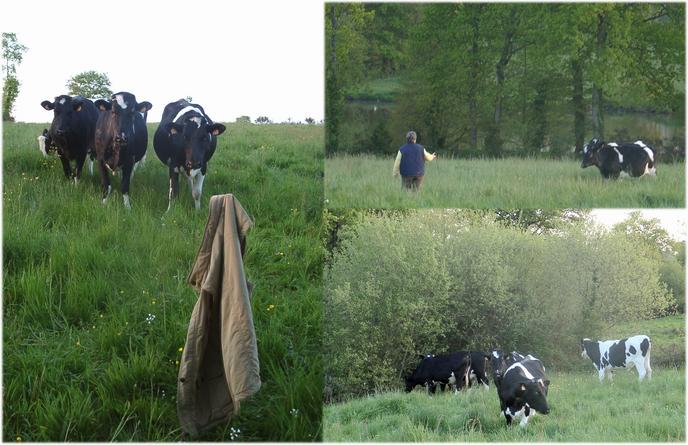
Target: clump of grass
[96,305]
[367,182]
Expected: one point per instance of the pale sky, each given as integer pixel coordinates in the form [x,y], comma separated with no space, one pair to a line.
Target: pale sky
[672,220]
[254,58]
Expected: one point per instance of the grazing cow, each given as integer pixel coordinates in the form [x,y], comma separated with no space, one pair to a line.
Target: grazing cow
[441,369]
[625,353]
[71,132]
[630,159]
[478,370]
[500,362]
[185,141]
[121,139]
[523,388]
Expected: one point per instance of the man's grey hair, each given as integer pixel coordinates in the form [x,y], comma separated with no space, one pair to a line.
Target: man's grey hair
[411,136]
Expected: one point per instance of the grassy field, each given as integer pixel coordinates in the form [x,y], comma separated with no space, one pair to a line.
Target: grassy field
[582,409]
[367,182]
[96,304]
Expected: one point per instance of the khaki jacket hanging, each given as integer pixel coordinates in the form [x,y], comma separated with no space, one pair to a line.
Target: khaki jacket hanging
[219,366]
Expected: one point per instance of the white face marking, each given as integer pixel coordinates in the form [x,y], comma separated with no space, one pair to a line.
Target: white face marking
[494,354]
[196,120]
[62,101]
[185,110]
[120,100]
[527,373]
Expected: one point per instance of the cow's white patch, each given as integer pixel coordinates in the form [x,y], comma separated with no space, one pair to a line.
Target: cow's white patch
[623,174]
[649,153]
[196,120]
[197,190]
[585,148]
[120,101]
[127,203]
[523,368]
[41,146]
[494,354]
[185,110]
[641,143]
[90,166]
[613,144]
[618,153]
[62,101]
[143,115]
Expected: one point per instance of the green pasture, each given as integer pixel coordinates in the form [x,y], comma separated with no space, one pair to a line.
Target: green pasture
[95,300]
[367,182]
[581,410]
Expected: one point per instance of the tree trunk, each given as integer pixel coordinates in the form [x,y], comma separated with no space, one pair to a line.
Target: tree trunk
[597,93]
[493,141]
[578,105]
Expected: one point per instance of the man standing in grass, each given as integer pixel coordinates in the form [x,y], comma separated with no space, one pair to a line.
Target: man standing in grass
[410,163]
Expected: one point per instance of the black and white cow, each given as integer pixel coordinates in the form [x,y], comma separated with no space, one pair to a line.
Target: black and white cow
[185,141]
[121,139]
[501,361]
[478,371]
[71,132]
[45,144]
[452,369]
[523,389]
[629,159]
[625,353]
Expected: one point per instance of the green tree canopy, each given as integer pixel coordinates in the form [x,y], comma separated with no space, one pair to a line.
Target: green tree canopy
[12,55]
[90,84]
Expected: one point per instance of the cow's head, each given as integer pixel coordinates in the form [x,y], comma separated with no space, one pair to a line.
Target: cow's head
[65,111]
[120,123]
[590,151]
[583,343]
[194,135]
[534,393]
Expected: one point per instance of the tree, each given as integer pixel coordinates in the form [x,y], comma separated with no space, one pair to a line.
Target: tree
[91,84]
[12,55]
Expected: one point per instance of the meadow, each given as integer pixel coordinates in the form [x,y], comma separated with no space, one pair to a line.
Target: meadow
[96,304]
[581,410]
[366,182]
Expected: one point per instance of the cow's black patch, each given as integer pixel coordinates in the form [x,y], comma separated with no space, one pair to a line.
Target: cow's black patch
[617,353]
[592,348]
[644,346]
[632,350]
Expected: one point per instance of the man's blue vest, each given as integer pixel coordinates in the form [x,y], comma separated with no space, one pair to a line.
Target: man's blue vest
[412,160]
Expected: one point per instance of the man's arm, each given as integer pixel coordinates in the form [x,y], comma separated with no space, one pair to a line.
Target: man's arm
[428,156]
[397,164]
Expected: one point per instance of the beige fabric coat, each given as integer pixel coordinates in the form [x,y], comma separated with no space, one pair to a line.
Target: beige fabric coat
[219,366]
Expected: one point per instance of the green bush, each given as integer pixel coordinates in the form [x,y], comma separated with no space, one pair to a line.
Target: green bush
[438,281]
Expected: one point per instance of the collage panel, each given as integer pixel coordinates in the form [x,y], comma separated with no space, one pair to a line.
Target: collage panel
[162,207]
[492,105]
[460,325]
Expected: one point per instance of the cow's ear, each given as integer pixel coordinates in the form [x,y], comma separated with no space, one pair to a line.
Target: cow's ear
[546,382]
[521,390]
[47,105]
[143,107]
[103,104]
[216,129]
[173,128]
[77,105]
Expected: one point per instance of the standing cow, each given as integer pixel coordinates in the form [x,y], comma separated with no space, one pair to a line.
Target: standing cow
[630,159]
[625,353]
[185,141]
[523,388]
[71,132]
[478,370]
[446,369]
[501,361]
[121,139]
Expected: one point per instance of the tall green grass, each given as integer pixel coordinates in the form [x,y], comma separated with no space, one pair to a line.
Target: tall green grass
[581,409]
[96,305]
[367,182]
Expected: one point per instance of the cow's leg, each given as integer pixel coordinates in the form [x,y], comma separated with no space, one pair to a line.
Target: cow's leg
[79,167]
[524,416]
[646,362]
[610,375]
[174,186]
[66,167]
[126,179]
[105,180]
[197,189]
[508,416]
[601,374]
